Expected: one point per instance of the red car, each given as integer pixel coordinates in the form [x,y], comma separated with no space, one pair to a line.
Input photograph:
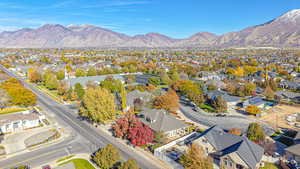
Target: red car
[46,167]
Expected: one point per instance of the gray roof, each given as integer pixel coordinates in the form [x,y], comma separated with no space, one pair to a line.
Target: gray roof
[257,100]
[84,80]
[226,143]
[160,120]
[226,97]
[294,149]
[287,94]
[18,116]
[131,96]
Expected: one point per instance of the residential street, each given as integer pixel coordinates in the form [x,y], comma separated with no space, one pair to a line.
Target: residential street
[224,122]
[86,138]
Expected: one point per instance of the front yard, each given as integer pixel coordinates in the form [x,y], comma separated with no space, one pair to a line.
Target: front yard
[79,164]
[270,166]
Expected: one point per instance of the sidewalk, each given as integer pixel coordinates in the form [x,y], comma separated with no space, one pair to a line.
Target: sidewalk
[54,163]
[137,150]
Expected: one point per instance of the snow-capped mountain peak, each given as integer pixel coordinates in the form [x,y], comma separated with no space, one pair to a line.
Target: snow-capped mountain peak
[292,15]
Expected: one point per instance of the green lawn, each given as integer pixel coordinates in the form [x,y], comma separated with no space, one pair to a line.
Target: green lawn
[270,166]
[80,164]
[64,158]
[207,107]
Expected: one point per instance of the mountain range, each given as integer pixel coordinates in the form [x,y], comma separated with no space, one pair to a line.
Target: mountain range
[283,31]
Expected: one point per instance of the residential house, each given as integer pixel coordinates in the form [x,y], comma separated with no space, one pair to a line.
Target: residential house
[256,101]
[145,97]
[289,85]
[293,152]
[19,121]
[227,151]
[204,76]
[160,120]
[217,83]
[144,79]
[231,101]
[230,151]
[287,95]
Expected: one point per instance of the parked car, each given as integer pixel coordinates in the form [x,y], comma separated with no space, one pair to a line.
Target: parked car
[46,167]
[221,115]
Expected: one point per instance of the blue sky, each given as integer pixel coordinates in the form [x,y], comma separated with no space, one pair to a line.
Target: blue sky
[175,18]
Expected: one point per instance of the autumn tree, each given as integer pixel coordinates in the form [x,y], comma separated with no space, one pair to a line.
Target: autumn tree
[252,109]
[133,129]
[168,101]
[129,164]
[18,93]
[165,77]
[112,84]
[80,72]
[255,132]
[123,95]
[219,104]
[250,89]
[60,75]
[191,90]
[51,82]
[138,104]
[269,93]
[62,88]
[92,72]
[235,131]
[34,76]
[79,90]
[239,72]
[98,104]
[140,134]
[195,158]
[107,157]
[70,95]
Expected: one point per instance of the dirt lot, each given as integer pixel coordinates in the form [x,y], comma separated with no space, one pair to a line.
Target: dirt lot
[276,116]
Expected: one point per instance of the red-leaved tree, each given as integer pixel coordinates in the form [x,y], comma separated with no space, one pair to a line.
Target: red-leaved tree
[140,134]
[133,129]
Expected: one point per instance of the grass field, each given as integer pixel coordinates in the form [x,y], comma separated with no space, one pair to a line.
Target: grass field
[79,164]
[10,110]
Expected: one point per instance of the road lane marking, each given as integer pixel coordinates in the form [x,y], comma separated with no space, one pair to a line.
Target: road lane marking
[33,158]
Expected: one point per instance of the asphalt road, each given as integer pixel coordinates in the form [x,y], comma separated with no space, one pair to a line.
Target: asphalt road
[85,137]
[226,122]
